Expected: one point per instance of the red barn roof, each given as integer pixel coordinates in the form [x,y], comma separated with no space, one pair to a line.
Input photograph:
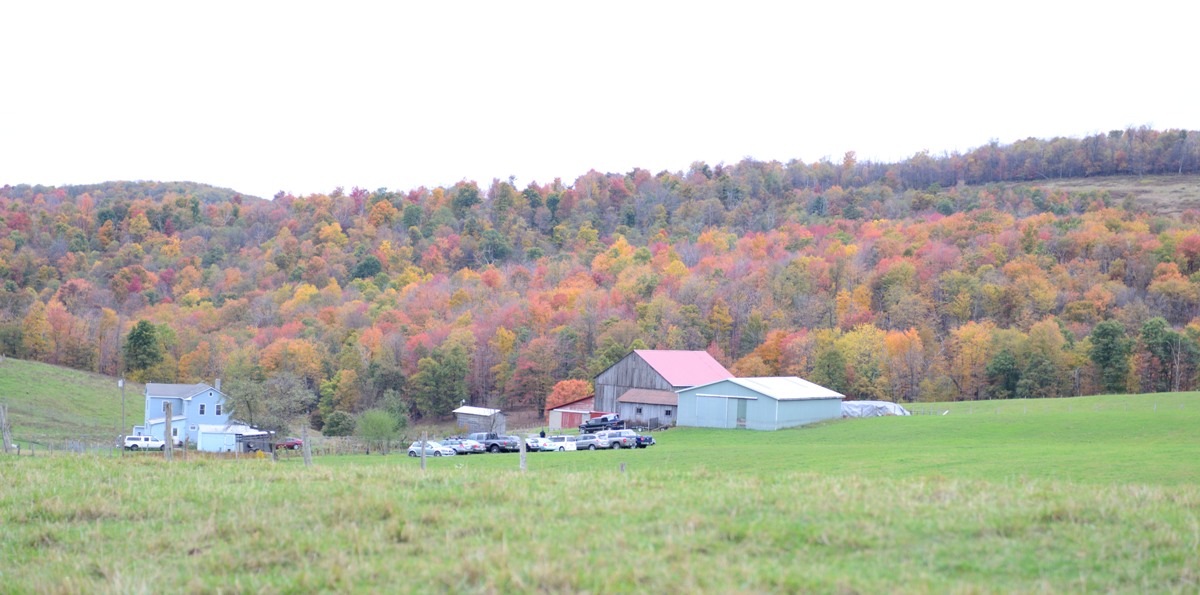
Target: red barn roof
[684,368]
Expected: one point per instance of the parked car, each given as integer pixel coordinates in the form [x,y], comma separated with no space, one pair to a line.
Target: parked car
[618,438]
[645,441]
[432,449]
[611,421]
[588,442]
[144,443]
[537,443]
[495,443]
[289,444]
[562,443]
[464,446]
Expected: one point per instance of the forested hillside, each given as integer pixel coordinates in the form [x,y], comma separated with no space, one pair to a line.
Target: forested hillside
[961,276]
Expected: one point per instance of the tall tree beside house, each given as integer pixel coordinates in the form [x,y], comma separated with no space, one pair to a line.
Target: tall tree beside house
[142,349]
[269,402]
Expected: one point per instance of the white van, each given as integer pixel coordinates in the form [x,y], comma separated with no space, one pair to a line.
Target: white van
[562,443]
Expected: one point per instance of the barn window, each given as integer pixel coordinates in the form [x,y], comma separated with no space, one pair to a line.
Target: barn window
[668,413]
[201,408]
[639,410]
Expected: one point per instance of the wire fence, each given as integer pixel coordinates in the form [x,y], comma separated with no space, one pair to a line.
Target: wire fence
[45,446]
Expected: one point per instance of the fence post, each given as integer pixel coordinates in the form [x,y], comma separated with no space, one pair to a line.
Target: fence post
[5,430]
[170,443]
[521,443]
[307,449]
[424,437]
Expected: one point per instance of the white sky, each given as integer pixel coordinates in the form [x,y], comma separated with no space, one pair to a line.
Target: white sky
[305,97]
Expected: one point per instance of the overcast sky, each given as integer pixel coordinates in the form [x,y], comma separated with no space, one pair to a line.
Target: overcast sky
[306,97]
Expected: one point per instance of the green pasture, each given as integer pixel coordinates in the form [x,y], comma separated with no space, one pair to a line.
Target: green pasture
[50,404]
[1073,495]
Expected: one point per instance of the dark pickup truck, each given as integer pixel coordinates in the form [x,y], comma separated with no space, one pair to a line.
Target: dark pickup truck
[604,422]
[496,443]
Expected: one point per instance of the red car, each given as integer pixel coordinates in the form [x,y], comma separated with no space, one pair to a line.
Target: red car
[289,444]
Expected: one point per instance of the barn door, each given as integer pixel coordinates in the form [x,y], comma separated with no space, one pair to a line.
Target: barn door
[741,413]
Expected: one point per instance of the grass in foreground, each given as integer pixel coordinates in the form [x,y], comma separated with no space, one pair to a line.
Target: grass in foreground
[142,525]
[980,500]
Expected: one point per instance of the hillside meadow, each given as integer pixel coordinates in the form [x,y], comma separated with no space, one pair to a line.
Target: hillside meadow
[51,403]
[1067,495]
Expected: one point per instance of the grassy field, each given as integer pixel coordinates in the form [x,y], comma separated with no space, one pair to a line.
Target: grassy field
[1071,495]
[1163,195]
[50,403]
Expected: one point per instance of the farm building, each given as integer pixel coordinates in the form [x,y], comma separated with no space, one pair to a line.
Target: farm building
[656,370]
[479,419]
[570,415]
[642,407]
[192,405]
[226,438]
[758,403]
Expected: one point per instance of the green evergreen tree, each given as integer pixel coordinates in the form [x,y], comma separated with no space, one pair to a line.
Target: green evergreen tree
[1003,373]
[142,347]
[1110,352]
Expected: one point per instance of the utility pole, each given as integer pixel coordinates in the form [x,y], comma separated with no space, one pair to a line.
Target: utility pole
[121,383]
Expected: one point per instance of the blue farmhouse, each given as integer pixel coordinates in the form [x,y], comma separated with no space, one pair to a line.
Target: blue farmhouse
[192,406]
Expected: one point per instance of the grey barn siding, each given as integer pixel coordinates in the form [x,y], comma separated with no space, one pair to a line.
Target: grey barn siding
[651,415]
[630,372]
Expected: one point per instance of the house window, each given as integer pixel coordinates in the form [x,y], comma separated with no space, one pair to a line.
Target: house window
[218,409]
[201,408]
[174,432]
[668,413]
[639,410]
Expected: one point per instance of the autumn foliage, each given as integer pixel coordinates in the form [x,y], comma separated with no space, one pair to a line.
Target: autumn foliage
[953,277]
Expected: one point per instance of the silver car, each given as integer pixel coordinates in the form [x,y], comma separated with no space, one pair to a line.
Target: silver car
[432,449]
[588,442]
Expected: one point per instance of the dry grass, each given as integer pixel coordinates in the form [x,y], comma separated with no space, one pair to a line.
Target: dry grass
[1162,195]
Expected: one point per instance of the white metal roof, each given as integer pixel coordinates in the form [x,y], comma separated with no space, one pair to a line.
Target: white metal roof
[242,429]
[469,410]
[784,388]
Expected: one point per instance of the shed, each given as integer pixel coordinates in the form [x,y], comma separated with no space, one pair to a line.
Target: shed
[226,437]
[570,415]
[659,370]
[643,407]
[767,403]
[479,419]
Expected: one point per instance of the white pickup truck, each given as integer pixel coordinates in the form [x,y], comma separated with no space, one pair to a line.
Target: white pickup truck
[144,443]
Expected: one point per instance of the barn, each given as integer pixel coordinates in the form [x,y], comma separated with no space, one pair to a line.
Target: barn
[655,370]
[645,408]
[768,403]
[570,415]
[479,419]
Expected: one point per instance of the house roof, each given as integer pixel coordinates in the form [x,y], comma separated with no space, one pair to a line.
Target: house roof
[649,397]
[163,419]
[177,391]
[784,388]
[684,368]
[469,410]
[584,404]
